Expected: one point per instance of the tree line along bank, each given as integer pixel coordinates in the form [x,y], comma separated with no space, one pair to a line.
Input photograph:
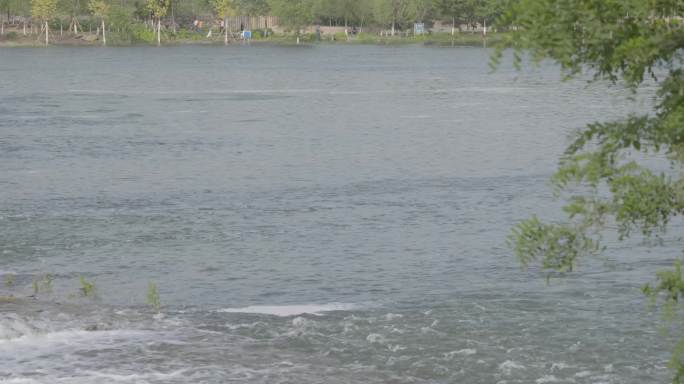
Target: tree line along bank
[153,21]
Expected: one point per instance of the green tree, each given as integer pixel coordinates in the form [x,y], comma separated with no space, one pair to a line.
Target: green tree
[423,9]
[191,9]
[225,9]
[158,9]
[393,12]
[73,8]
[44,10]
[324,10]
[364,13]
[488,11]
[450,9]
[100,9]
[627,41]
[293,14]
[121,20]
[253,8]
[469,11]
[14,7]
[4,8]
[347,10]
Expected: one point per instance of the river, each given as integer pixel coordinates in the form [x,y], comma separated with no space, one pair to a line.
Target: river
[312,214]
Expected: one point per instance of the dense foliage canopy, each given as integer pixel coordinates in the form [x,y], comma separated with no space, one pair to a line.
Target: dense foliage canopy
[295,13]
[610,175]
[43,9]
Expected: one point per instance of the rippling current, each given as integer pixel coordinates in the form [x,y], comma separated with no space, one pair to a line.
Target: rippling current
[327,214]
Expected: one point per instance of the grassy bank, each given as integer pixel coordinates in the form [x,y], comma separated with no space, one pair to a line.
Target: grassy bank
[446,39]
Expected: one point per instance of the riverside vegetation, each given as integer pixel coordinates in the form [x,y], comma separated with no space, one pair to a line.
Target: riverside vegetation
[125,22]
[43,285]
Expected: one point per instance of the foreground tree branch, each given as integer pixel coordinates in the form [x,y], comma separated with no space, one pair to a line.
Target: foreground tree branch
[627,41]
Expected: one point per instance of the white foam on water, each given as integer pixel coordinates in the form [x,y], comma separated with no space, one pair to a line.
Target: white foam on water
[12,328]
[547,379]
[22,338]
[375,338]
[460,352]
[234,327]
[44,340]
[88,377]
[194,92]
[583,374]
[135,377]
[392,316]
[290,310]
[559,366]
[430,330]
[508,366]
[415,117]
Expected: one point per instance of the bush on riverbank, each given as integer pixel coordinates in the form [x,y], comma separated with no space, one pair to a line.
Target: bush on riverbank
[10,36]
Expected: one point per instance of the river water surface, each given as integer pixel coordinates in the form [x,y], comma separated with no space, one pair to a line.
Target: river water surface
[327,214]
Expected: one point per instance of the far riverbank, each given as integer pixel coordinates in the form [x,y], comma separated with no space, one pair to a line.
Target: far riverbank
[18,39]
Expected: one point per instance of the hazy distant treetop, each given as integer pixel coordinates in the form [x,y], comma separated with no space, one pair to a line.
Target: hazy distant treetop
[158,8]
[224,8]
[293,14]
[389,12]
[253,7]
[43,9]
[99,8]
[15,7]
